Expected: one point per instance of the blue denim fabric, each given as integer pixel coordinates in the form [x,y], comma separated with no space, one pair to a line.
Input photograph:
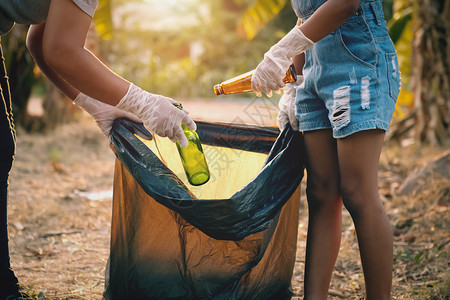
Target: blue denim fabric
[352,78]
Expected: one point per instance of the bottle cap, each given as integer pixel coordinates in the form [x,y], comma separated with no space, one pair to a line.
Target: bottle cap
[218,90]
[178,105]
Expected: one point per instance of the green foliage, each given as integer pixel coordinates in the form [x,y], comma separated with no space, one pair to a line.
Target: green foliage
[258,15]
[163,60]
[388,9]
[398,24]
[103,19]
[33,294]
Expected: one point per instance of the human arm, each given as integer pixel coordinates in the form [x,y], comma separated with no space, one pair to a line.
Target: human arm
[34,44]
[102,113]
[63,51]
[270,72]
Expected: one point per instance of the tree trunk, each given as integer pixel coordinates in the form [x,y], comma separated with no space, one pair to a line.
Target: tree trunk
[431,72]
[19,67]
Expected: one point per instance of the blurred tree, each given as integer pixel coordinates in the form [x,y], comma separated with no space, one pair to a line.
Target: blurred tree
[430,65]
[188,61]
[20,67]
[25,77]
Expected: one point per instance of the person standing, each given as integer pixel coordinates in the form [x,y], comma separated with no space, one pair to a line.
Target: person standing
[343,105]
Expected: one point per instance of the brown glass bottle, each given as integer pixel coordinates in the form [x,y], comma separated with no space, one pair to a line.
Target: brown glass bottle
[243,82]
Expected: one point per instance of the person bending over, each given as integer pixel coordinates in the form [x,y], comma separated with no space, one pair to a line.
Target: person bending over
[56,42]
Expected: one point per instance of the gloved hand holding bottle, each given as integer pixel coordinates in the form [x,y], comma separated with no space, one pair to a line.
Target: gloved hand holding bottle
[288,111]
[158,114]
[270,72]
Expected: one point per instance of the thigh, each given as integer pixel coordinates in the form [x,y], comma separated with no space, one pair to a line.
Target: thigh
[358,156]
[322,163]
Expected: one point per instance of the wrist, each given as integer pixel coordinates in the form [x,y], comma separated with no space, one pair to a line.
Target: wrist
[133,101]
[123,101]
[299,80]
[292,44]
[80,99]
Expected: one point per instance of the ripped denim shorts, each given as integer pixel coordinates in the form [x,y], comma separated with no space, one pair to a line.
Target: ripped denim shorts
[351,77]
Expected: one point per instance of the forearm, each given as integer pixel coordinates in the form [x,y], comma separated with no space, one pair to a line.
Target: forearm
[335,12]
[90,76]
[299,62]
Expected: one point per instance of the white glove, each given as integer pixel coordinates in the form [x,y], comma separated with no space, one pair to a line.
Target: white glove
[104,114]
[158,114]
[287,105]
[270,72]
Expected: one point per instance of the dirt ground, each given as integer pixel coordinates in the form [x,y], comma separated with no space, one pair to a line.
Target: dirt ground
[60,213]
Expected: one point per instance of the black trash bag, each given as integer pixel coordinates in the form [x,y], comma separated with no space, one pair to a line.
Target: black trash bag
[170,240]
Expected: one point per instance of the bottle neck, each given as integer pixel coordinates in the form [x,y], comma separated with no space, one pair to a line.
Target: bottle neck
[185,128]
[218,89]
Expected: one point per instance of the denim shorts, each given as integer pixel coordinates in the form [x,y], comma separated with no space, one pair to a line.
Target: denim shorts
[351,76]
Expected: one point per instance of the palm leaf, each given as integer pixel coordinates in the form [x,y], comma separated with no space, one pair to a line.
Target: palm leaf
[398,24]
[258,15]
[103,19]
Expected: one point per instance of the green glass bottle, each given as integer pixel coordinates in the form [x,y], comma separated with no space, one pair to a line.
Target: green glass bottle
[192,157]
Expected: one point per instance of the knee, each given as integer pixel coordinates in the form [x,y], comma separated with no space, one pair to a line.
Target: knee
[322,193]
[358,199]
[351,197]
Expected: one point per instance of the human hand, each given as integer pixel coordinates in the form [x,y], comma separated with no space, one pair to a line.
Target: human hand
[158,114]
[103,114]
[287,113]
[271,70]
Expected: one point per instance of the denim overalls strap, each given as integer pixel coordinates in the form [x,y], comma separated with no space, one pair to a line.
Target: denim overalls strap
[305,8]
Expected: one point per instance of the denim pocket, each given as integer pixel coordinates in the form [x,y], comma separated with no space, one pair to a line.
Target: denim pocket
[358,42]
[302,8]
[393,75]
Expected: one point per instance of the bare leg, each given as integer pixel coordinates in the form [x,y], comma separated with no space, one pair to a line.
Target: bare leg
[358,163]
[325,208]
